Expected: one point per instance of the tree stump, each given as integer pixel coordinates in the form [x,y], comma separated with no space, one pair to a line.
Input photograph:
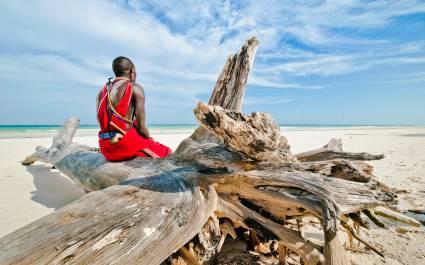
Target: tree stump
[236,171]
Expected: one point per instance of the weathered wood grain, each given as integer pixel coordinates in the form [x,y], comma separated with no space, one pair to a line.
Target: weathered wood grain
[235,170]
[256,136]
[169,185]
[333,150]
[141,221]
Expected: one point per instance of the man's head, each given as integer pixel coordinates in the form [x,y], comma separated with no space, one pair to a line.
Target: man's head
[124,67]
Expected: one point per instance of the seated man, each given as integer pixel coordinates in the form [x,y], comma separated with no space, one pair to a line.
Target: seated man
[121,116]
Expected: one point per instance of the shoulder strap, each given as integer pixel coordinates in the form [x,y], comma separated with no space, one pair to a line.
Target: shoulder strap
[103,98]
[113,110]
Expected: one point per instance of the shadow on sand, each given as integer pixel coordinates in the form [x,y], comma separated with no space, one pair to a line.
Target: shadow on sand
[53,190]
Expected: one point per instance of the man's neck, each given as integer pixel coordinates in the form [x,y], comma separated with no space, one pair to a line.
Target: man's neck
[122,78]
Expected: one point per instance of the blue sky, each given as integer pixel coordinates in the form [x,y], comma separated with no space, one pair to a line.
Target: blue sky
[319,62]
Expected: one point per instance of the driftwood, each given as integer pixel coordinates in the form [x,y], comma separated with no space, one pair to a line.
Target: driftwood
[333,150]
[235,172]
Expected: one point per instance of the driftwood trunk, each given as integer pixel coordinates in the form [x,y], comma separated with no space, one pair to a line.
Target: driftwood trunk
[235,171]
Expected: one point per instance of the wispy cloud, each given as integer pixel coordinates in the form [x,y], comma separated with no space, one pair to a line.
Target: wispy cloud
[266,100]
[416,77]
[180,47]
[273,82]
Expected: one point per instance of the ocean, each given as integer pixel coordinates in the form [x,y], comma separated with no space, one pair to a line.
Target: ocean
[39,131]
[36,131]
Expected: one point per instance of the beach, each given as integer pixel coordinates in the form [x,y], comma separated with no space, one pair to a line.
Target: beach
[29,192]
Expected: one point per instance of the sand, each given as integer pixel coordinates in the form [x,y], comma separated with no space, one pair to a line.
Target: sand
[28,193]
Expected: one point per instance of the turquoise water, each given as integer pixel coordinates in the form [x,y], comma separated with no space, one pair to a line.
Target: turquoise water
[35,128]
[32,131]
[29,128]
[47,128]
[41,128]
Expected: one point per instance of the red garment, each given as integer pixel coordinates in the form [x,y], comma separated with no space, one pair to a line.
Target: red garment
[121,108]
[132,144]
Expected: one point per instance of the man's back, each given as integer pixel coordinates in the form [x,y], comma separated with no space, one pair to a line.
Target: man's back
[116,94]
[121,115]
[136,109]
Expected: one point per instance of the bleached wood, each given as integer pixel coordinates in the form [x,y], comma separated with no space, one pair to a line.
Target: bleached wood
[132,223]
[272,230]
[177,191]
[229,90]
[339,168]
[388,213]
[333,150]
[144,210]
[256,136]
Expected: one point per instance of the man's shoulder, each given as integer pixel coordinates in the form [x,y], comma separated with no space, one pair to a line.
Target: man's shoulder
[137,88]
[101,88]
[100,91]
[134,84]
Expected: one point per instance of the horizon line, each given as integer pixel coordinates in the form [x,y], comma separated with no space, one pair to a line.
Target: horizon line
[194,124]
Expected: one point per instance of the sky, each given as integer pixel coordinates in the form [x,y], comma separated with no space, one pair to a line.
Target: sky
[319,62]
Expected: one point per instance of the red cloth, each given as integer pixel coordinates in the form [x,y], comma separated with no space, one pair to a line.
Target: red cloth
[103,115]
[132,144]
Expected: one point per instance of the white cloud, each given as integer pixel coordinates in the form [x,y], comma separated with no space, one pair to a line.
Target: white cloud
[191,39]
[328,64]
[266,100]
[48,68]
[415,77]
[320,65]
[180,47]
[279,83]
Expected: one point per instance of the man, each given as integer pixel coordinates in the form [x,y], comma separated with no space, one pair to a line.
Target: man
[121,116]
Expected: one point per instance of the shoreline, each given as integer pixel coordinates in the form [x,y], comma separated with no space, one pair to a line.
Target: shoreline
[85,132]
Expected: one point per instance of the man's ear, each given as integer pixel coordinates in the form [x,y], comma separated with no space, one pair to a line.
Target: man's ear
[133,75]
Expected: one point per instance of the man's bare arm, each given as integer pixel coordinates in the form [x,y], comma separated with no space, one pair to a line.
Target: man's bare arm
[98,99]
[139,110]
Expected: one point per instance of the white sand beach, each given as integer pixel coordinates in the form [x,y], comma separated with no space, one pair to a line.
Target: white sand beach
[30,192]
